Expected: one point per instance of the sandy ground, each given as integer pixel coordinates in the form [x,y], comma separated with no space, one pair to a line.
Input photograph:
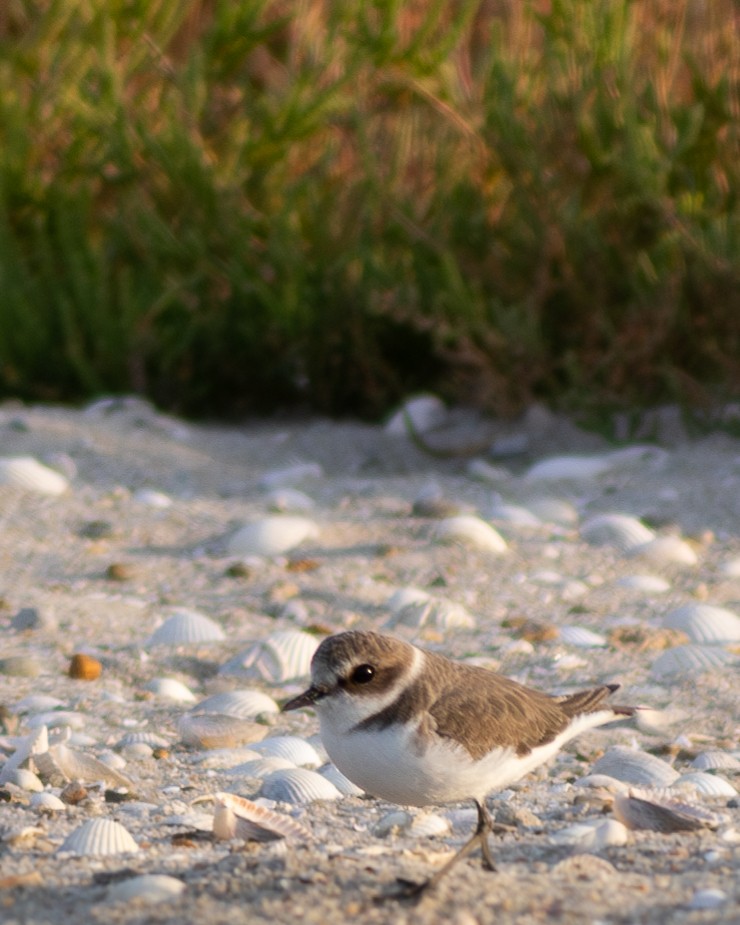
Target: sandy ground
[103,566]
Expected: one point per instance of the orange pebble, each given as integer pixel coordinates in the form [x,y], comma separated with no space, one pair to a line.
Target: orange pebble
[84,667]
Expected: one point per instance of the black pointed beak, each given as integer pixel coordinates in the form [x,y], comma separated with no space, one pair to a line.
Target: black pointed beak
[306,699]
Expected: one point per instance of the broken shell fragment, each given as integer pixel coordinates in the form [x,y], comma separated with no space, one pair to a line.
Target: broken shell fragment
[658,813]
[593,834]
[61,763]
[282,656]
[237,817]
[218,730]
[99,837]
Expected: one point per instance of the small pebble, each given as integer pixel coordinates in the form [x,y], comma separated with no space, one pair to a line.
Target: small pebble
[84,667]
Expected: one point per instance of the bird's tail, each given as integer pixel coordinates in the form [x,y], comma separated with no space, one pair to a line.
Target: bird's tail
[591,701]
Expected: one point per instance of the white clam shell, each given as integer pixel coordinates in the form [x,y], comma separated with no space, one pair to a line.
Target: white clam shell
[99,837]
[398,820]
[424,411]
[294,749]
[427,825]
[171,689]
[271,536]
[147,888]
[37,703]
[554,511]
[152,498]
[142,737]
[260,767]
[471,531]
[715,760]
[282,656]
[186,627]
[26,780]
[66,763]
[569,468]
[298,785]
[618,530]
[46,802]
[436,612]
[581,637]
[690,660]
[218,730]
[649,584]
[289,500]
[708,784]
[402,597]
[660,812]
[29,474]
[343,784]
[665,550]
[704,623]
[593,834]
[236,817]
[635,767]
[514,514]
[244,703]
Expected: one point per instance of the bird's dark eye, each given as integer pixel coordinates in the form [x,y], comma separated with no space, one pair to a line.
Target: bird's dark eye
[362,674]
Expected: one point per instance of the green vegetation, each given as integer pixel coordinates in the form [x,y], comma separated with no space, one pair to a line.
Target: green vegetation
[232,205]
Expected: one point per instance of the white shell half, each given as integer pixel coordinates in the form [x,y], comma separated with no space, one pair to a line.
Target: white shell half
[217,730]
[715,760]
[35,743]
[635,767]
[569,468]
[424,411]
[649,584]
[259,768]
[47,802]
[99,837]
[29,474]
[513,514]
[186,627]
[659,812]
[427,825]
[294,749]
[554,511]
[593,834]
[436,612]
[152,498]
[244,703]
[298,786]
[690,660]
[171,689]
[236,817]
[471,531]
[705,624]
[402,597]
[271,536]
[282,656]
[618,530]
[708,784]
[147,888]
[665,550]
[581,637]
[343,784]
[290,500]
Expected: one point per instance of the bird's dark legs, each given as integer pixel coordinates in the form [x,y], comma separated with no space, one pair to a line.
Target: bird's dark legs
[483,829]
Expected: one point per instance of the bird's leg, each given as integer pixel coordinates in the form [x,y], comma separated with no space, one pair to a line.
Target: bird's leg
[482,831]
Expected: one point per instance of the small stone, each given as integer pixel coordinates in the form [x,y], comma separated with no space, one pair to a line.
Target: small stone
[96,530]
[119,571]
[30,618]
[84,667]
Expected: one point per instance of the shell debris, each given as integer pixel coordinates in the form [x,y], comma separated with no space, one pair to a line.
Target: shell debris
[237,817]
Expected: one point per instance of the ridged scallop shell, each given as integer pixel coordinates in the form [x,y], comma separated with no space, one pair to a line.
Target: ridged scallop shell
[62,762]
[471,531]
[705,624]
[261,767]
[29,474]
[244,703]
[708,784]
[649,584]
[659,812]
[690,660]
[171,689]
[581,637]
[236,817]
[218,730]
[428,825]
[714,760]
[294,749]
[146,888]
[618,530]
[143,738]
[635,767]
[343,784]
[298,786]
[665,550]
[593,834]
[99,837]
[186,627]
[424,411]
[282,656]
[436,612]
[271,536]
[569,468]
[46,802]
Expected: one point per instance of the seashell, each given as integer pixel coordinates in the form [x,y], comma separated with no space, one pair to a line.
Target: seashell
[294,749]
[186,627]
[483,471]
[138,752]
[37,703]
[655,722]
[731,568]
[715,760]
[29,474]
[618,530]
[427,825]
[223,758]
[46,802]
[690,660]
[84,667]
[289,500]
[554,511]
[152,498]
[593,834]
[146,888]
[66,763]
[581,637]
[271,536]
[402,597]
[705,624]
[391,823]
[35,743]
[171,689]
[569,468]
[660,813]
[260,767]
[471,531]
[112,760]
[437,612]
[236,817]
[20,666]
[513,514]
[602,782]
[145,738]
[343,784]
[282,656]
[244,703]
[650,584]
[666,550]
[422,414]
[635,767]
[708,899]
[291,475]
[25,779]
[711,785]
[55,719]
[218,730]
[99,837]
[298,785]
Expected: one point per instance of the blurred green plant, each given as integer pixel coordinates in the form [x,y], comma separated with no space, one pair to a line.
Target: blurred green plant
[237,206]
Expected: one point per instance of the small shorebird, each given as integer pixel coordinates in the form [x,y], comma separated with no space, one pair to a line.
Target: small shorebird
[415,728]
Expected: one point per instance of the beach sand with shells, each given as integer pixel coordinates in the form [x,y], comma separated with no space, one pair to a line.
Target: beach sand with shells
[150,551]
